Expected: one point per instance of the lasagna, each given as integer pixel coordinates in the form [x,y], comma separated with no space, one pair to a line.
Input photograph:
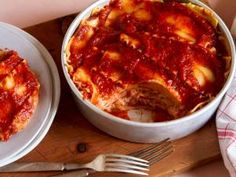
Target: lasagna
[159,60]
[19,92]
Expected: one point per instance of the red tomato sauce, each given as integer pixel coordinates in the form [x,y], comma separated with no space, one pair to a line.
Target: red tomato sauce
[159,50]
[11,101]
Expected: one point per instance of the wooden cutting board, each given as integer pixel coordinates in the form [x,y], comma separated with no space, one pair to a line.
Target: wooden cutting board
[70,128]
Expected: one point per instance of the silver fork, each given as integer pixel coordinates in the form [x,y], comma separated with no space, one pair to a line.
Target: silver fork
[103,162]
[153,153]
[110,163]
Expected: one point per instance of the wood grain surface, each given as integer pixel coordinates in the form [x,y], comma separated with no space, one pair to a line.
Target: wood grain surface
[70,128]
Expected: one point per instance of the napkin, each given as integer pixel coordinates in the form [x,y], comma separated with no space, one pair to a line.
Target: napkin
[226,124]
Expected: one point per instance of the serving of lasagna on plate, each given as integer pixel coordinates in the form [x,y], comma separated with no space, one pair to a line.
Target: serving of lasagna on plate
[19,92]
[162,59]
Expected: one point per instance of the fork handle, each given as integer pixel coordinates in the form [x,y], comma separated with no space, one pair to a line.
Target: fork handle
[76,166]
[81,173]
[42,166]
[31,167]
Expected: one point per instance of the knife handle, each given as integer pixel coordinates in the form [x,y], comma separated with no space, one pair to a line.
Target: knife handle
[81,173]
[31,167]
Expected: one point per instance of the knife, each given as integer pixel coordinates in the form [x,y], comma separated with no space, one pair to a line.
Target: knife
[39,166]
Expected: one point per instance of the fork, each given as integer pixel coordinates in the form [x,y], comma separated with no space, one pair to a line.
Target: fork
[153,153]
[112,163]
[103,162]
[116,163]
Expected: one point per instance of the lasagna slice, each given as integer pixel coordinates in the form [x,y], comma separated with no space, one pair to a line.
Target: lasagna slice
[19,92]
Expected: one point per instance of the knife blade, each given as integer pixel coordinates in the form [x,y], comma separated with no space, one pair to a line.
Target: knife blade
[39,166]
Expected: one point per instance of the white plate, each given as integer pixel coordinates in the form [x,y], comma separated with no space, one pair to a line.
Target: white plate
[42,64]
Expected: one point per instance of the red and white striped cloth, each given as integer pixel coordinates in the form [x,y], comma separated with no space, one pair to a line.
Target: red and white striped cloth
[226,124]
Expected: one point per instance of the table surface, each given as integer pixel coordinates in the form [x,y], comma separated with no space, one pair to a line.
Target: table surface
[35,12]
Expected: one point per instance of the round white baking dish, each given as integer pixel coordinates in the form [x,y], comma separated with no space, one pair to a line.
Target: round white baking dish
[145,132]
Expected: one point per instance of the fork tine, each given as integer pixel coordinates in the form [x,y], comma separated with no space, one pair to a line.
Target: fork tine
[162,156]
[142,164]
[156,151]
[126,157]
[159,152]
[124,166]
[126,171]
[142,151]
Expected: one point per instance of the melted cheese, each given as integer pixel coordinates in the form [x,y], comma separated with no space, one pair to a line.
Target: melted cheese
[112,16]
[203,74]
[182,24]
[130,41]
[112,55]
[127,6]
[8,83]
[90,22]
[81,75]
[142,15]
[20,90]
